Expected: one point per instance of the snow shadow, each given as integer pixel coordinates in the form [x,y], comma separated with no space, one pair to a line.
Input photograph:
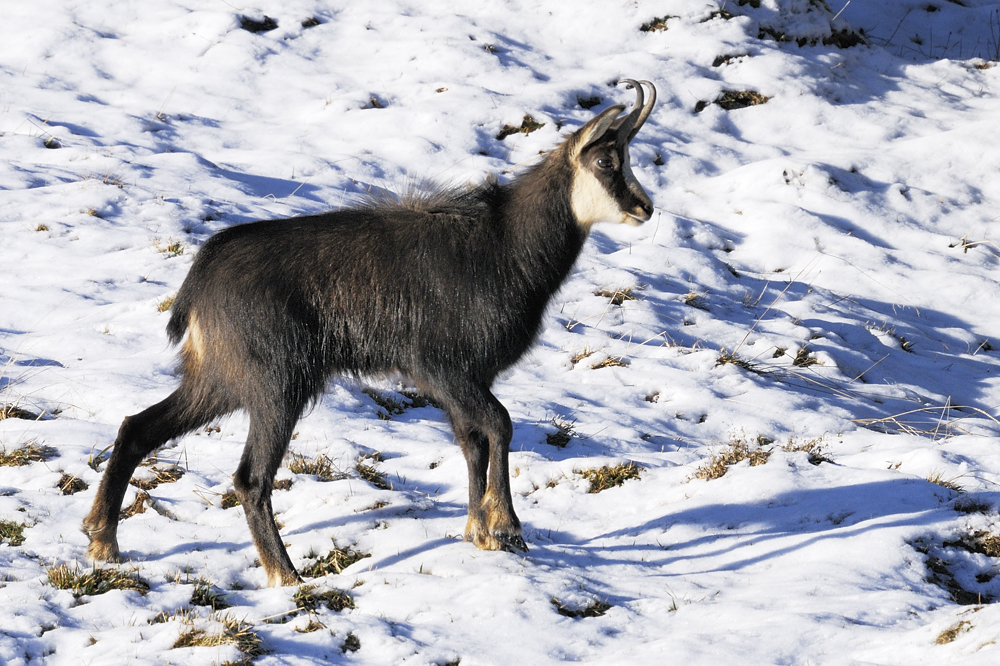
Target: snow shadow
[741,535]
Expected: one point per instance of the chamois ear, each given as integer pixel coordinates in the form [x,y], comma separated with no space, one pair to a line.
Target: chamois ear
[595,129]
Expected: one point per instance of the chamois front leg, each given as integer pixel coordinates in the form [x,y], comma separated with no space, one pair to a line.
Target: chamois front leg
[483,428]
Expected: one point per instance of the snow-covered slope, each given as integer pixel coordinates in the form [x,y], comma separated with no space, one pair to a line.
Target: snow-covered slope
[818,281]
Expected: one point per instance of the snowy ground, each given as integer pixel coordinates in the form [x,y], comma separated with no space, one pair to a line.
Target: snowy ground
[835,244]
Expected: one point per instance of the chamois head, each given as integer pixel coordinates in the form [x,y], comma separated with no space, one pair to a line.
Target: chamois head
[604,188]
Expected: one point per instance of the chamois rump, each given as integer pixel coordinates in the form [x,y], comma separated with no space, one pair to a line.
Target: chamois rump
[447,289]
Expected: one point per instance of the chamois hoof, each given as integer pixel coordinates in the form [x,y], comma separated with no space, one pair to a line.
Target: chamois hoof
[511,543]
[103,551]
[283,579]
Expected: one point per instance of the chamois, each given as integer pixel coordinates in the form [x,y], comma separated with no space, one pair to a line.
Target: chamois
[447,289]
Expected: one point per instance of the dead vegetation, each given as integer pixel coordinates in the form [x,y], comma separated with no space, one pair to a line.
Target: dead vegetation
[309,598]
[258,25]
[70,485]
[938,479]
[728,358]
[611,476]
[397,402]
[656,24]
[981,542]
[610,362]
[165,304]
[942,558]
[951,633]
[528,125]
[595,608]
[8,411]
[158,475]
[731,100]
[695,300]
[322,467]
[29,452]
[12,532]
[206,594]
[370,473]
[233,632]
[95,581]
[230,500]
[738,450]
[351,643]
[619,295]
[565,431]
[137,506]
[757,451]
[333,562]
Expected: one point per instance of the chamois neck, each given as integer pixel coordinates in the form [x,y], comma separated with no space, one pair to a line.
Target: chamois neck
[538,209]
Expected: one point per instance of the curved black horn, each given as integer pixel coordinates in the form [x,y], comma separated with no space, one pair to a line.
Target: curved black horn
[628,126]
[647,108]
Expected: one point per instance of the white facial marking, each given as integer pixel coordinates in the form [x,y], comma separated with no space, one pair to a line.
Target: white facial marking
[591,203]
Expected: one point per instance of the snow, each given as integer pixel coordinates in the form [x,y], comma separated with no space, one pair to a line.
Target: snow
[850,219]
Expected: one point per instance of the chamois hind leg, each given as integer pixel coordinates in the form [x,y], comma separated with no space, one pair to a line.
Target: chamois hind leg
[270,432]
[483,428]
[139,434]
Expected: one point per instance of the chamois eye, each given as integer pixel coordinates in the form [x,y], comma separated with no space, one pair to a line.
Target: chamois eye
[604,163]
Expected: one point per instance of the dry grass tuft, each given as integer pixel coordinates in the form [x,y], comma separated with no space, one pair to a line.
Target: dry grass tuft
[580,355]
[804,360]
[234,632]
[96,581]
[658,24]
[738,450]
[390,405]
[309,598]
[618,296]
[322,467]
[165,304]
[171,248]
[610,362]
[137,506]
[950,484]
[205,594]
[70,485]
[12,532]
[740,99]
[727,358]
[351,644]
[15,412]
[595,608]
[528,125]
[160,475]
[602,478]
[815,448]
[230,500]
[334,562]
[371,474]
[29,452]
[565,431]
[314,625]
[981,542]
[695,300]
[950,634]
